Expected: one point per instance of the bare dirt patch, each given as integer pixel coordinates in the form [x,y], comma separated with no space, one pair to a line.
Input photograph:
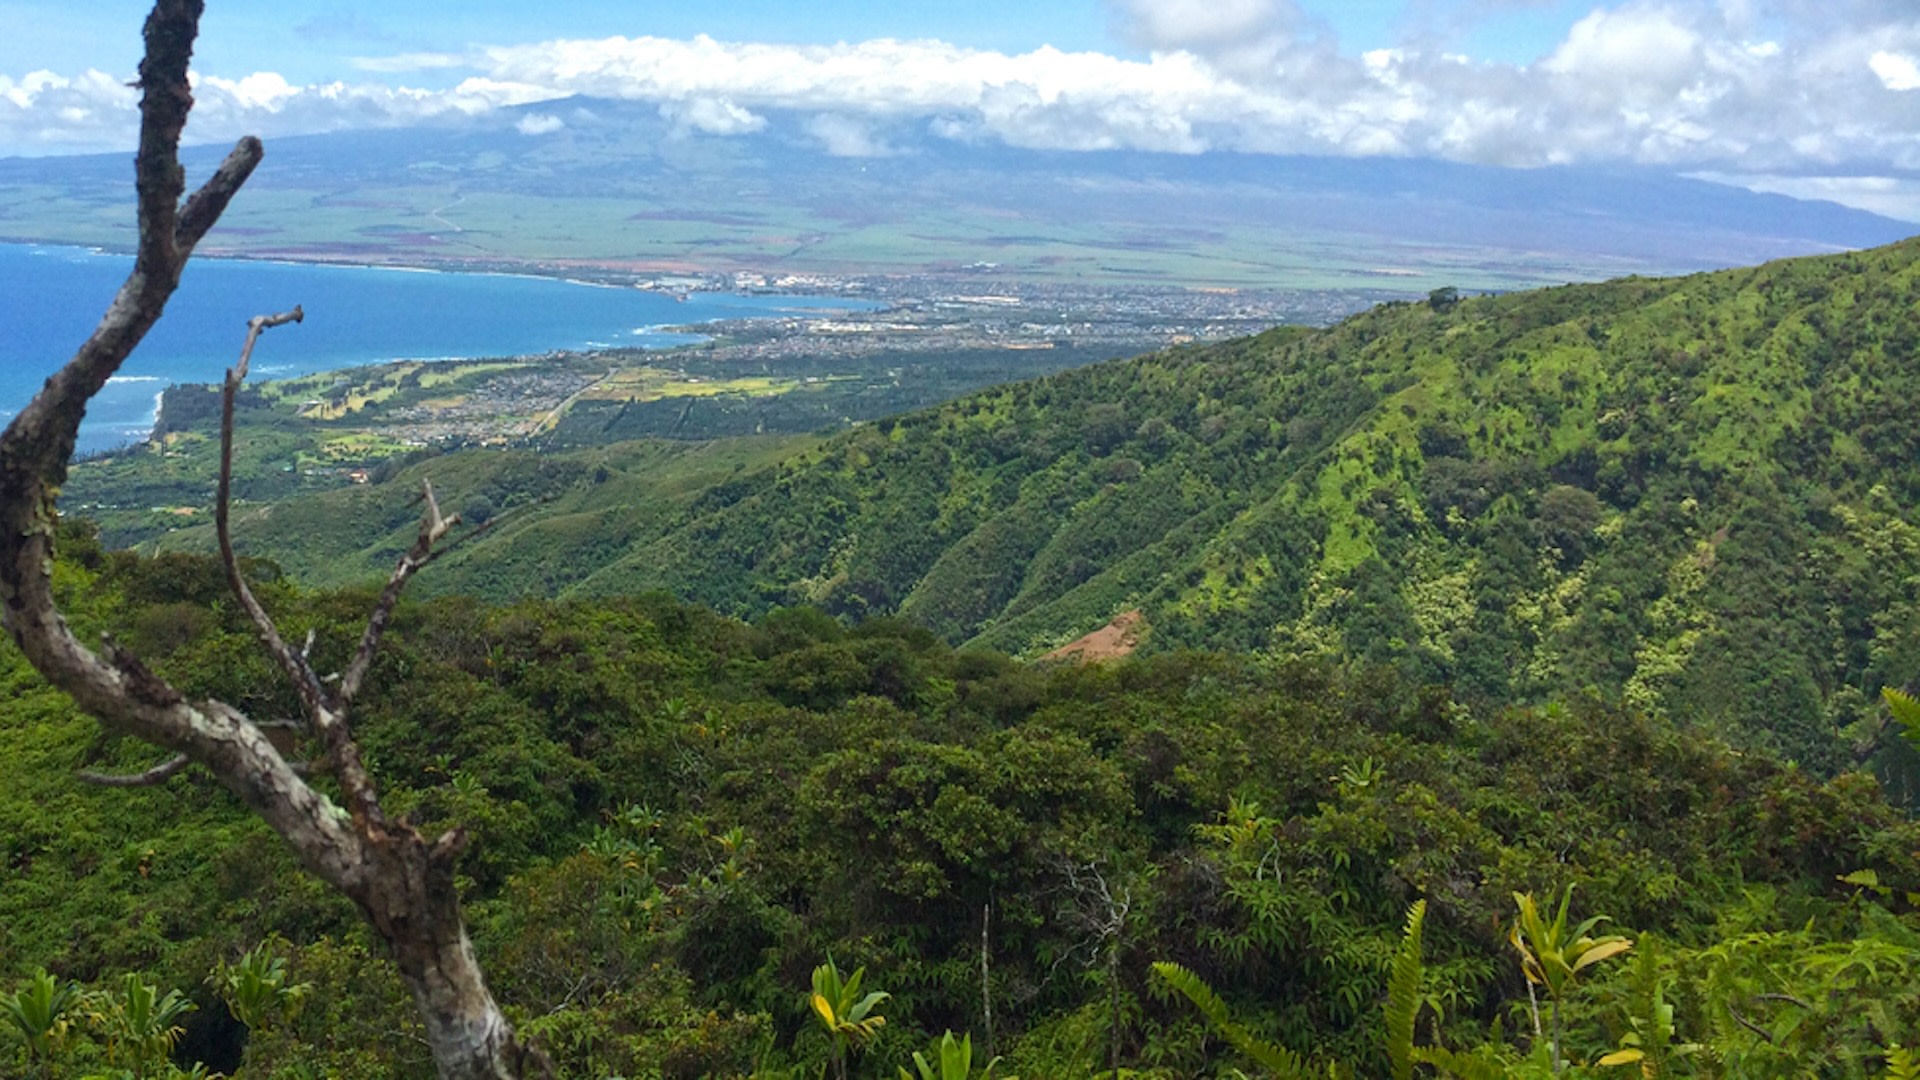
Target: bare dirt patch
[1111,642]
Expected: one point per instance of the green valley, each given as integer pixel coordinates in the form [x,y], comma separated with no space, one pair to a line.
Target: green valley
[1243,671]
[1692,496]
[676,816]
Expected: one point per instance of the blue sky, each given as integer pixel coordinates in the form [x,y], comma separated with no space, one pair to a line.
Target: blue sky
[316,42]
[1804,97]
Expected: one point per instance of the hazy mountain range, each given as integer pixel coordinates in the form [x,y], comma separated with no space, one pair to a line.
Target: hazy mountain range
[594,182]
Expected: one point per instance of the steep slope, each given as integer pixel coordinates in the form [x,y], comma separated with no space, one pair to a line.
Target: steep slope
[550,519]
[1694,495]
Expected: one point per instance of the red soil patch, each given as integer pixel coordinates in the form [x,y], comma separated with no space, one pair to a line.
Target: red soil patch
[1111,642]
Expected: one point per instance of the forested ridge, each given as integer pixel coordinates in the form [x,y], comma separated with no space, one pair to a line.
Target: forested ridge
[1468,622]
[1522,700]
[677,816]
[1691,497]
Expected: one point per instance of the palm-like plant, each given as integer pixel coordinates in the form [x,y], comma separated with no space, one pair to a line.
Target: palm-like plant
[141,1025]
[849,1018]
[38,1014]
[256,985]
[951,1061]
[1402,1009]
[1552,954]
[1279,1062]
[1906,712]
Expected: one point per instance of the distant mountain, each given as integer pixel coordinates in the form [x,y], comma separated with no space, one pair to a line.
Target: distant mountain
[1696,496]
[616,184]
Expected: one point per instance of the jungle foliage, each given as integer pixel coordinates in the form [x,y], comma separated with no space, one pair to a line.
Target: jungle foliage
[1692,497]
[679,817]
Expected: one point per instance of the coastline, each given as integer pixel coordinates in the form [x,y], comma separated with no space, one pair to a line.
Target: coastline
[570,271]
[454,317]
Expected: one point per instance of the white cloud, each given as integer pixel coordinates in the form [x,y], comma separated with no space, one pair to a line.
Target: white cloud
[846,136]
[1630,54]
[1781,87]
[1893,196]
[711,116]
[539,124]
[1896,72]
[1204,25]
[407,62]
[263,90]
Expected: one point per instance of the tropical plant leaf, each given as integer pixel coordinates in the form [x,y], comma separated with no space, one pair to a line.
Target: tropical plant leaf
[1461,1066]
[1282,1063]
[1403,994]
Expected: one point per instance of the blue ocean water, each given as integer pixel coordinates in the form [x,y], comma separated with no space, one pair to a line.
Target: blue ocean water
[53,296]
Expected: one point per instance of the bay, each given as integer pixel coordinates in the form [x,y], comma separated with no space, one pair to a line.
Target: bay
[354,315]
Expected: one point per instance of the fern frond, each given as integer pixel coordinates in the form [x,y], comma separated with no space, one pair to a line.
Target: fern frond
[1282,1063]
[1460,1066]
[1905,709]
[1902,1064]
[1403,994]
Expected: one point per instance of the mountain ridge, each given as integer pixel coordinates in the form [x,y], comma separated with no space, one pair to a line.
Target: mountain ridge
[1692,495]
[618,188]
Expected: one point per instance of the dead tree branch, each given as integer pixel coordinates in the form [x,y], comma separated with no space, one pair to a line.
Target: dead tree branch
[433,527]
[153,777]
[402,882]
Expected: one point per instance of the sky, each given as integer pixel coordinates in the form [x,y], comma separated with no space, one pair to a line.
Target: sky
[1814,98]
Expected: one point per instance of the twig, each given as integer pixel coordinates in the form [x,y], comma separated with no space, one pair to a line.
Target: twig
[153,777]
[433,527]
[986,980]
[1748,1024]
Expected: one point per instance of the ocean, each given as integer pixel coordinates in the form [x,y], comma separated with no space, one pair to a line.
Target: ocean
[354,315]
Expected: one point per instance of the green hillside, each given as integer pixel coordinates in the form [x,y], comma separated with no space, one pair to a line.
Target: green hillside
[675,816]
[1691,496]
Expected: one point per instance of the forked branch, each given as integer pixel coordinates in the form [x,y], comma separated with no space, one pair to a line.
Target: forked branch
[401,881]
[433,528]
[294,664]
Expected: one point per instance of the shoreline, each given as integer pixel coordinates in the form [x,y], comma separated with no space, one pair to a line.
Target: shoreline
[564,271]
[650,331]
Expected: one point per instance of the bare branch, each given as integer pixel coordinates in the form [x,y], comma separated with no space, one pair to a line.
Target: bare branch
[404,885]
[153,777]
[207,204]
[298,671]
[433,527]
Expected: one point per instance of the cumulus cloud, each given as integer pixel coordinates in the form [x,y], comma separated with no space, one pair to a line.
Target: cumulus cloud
[1896,71]
[711,116]
[1630,55]
[1816,88]
[47,113]
[847,136]
[539,124]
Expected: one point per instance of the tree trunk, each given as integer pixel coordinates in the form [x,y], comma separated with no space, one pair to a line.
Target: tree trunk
[412,903]
[403,883]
